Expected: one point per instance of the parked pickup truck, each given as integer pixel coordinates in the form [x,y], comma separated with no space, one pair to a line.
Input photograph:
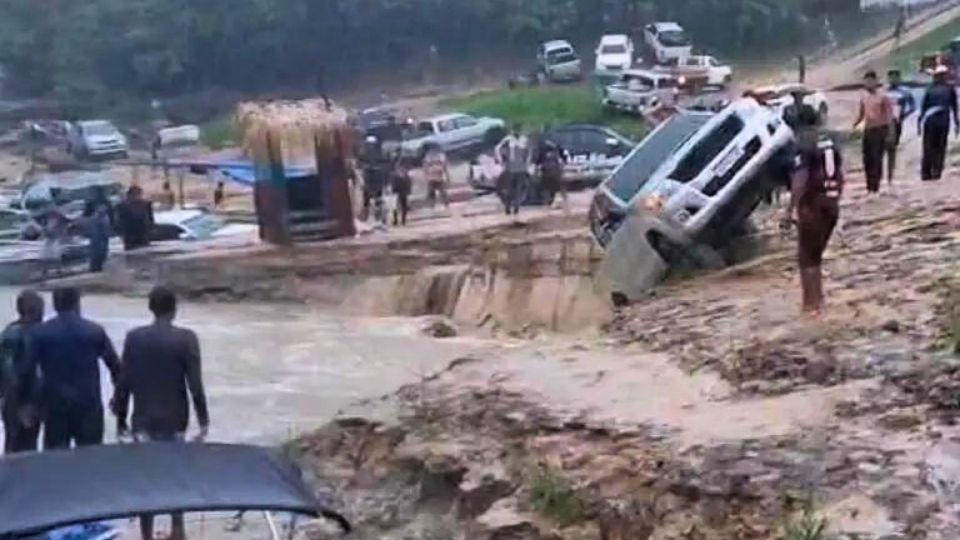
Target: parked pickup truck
[698,71]
[451,132]
[96,139]
[667,40]
[639,90]
[558,61]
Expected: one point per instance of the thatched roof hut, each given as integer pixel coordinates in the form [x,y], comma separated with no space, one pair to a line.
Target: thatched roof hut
[295,128]
[300,151]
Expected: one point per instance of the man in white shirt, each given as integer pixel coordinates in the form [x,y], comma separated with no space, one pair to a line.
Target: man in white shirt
[515,154]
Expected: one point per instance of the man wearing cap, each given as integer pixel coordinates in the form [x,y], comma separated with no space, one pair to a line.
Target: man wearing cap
[939,106]
[876,115]
[905,106]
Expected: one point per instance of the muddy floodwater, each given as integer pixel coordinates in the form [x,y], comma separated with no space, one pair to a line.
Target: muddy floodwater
[274,370]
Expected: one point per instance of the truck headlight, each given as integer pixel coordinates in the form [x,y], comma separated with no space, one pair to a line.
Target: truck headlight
[654,203]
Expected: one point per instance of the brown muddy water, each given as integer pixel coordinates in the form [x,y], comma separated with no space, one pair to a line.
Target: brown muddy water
[275,370]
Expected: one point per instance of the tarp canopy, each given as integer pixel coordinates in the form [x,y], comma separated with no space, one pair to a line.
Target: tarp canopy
[43,491]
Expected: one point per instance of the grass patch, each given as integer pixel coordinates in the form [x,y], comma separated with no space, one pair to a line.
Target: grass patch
[947,311]
[806,525]
[549,106]
[555,498]
[219,132]
[907,58]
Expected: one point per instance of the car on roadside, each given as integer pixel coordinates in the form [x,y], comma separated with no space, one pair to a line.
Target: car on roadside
[68,192]
[641,90]
[779,96]
[667,40]
[696,176]
[592,152]
[451,132]
[698,71]
[614,55]
[196,224]
[558,61]
[96,139]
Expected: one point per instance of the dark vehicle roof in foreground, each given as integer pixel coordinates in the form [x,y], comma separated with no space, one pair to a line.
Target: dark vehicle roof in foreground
[44,491]
[591,127]
[647,157]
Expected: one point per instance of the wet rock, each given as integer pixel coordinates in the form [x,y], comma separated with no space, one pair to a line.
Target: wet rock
[480,488]
[900,420]
[439,328]
[504,522]
[892,326]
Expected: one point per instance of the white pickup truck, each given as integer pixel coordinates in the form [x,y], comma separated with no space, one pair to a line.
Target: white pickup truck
[451,132]
[641,90]
[699,71]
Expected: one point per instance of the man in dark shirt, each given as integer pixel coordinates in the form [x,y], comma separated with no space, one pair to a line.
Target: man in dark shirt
[161,362]
[67,349]
[21,421]
[939,106]
[905,106]
[135,219]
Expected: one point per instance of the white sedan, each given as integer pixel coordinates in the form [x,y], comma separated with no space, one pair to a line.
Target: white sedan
[196,224]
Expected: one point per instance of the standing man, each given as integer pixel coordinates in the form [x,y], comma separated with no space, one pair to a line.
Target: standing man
[67,350]
[161,364]
[516,159]
[97,228]
[20,411]
[816,185]
[905,106]
[135,218]
[437,172]
[401,185]
[876,115]
[550,160]
[939,106]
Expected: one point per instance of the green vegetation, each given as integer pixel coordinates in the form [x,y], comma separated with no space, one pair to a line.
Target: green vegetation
[554,497]
[808,525]
[549,106]
[947,311]
[907,58]
[87,52]
[220,132]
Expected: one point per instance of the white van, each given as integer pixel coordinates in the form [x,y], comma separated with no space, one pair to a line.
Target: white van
[667,40]
[615,55]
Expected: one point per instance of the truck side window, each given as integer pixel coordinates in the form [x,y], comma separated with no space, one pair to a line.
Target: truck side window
[707,149]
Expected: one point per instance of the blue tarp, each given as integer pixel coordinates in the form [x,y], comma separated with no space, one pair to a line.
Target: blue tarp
[243,172]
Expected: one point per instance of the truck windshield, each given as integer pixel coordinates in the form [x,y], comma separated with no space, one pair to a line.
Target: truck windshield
[637,169]
[673,38]
[563,56]
[99,128]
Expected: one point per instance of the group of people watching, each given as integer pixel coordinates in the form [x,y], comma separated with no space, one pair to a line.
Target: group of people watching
[50,379]
[132,219]
[383,171]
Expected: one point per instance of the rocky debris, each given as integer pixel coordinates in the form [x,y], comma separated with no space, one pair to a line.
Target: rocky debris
[439,327]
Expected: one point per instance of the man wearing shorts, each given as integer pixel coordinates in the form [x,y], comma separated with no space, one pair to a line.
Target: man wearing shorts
[160,365]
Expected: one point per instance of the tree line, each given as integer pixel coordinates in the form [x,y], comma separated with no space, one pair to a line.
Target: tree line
[94,49]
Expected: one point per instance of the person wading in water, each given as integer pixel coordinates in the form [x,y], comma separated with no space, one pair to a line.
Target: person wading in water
[876,115]
[816,185]
[939,106]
